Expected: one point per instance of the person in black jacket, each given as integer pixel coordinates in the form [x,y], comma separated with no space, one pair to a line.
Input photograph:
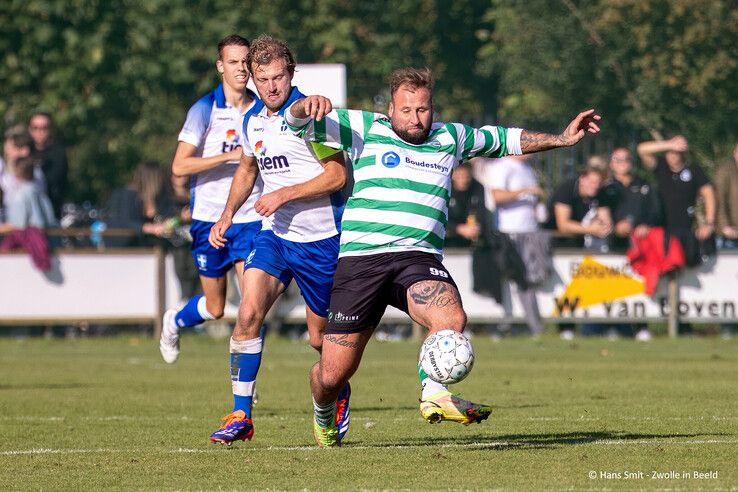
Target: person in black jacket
[142,205]
[52,157]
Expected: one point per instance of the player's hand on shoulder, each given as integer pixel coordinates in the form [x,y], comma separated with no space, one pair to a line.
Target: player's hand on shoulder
[317,107]
[217,233]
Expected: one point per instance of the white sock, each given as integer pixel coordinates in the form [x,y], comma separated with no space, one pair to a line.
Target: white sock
[430,387]
[203,310]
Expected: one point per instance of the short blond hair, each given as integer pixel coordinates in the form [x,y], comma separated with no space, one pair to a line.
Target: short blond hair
[414,77]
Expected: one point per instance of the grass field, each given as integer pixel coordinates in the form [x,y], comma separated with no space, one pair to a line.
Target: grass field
[107,413]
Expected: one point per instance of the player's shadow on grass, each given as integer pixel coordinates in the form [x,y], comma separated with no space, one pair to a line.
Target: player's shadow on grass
[525,441]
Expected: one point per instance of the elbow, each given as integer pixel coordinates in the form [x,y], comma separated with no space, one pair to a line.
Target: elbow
[178,168]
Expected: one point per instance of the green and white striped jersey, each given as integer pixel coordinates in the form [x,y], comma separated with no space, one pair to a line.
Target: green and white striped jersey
[401,191]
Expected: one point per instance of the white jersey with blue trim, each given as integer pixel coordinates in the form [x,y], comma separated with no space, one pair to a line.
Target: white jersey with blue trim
[215,127]
[285,160]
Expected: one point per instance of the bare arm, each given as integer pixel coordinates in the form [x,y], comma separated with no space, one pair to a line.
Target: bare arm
[647,150]
[186,163]
[311,107]
[241,187]
[565,224]
[506,196]
[331,179]
[585,122]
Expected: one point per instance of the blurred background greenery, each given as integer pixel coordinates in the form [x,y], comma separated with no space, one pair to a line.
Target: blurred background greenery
[119,76]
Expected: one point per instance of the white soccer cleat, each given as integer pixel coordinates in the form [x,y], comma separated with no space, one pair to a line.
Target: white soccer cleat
[169,341]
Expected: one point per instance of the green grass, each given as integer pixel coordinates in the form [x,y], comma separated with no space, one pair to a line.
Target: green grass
[107,413]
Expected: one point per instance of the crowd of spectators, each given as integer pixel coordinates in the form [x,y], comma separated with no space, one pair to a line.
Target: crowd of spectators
[498,208]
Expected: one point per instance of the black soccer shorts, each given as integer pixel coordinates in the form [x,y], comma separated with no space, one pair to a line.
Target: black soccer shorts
[364,286]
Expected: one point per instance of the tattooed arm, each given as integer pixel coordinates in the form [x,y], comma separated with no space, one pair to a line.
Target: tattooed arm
[585,122]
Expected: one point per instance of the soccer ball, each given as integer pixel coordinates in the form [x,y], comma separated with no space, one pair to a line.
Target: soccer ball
[446,356]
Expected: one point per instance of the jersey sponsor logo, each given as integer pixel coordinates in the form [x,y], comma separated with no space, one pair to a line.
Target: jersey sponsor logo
[339,317]
[231,141]
[427,165]
[260,149]
[267,163]
[390,160]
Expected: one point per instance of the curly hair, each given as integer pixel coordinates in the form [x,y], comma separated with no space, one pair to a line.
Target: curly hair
[266,49]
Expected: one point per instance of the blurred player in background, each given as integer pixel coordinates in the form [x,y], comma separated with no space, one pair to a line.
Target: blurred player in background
[208,151]
[302,205]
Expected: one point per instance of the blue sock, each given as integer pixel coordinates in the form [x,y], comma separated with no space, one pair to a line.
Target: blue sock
[245,362]
[193,313]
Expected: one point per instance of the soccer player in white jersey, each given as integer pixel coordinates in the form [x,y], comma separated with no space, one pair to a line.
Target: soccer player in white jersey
[208,151]
[393,229]
[301,204]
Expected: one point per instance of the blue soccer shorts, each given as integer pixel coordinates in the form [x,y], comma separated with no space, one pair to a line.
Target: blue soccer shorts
[312,265]
[213,262]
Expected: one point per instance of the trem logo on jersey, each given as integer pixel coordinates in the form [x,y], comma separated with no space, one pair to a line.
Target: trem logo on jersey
[267,163]
[231,141]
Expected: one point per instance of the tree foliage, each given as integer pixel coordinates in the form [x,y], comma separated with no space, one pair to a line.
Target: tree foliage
[119,76]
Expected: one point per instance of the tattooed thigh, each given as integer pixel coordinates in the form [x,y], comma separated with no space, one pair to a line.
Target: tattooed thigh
[432,293]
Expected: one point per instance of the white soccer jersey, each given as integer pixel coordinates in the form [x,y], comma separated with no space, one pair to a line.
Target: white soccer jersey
[285,160]
[519,214]
[215,127]
[401,190]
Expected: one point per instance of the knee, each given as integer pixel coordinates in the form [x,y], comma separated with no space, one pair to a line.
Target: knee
[315,340]
[331,380]
[456,321]
[215,308]
[249,318]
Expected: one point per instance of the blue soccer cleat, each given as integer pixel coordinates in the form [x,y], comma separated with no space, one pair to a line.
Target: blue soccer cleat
[236,427]
[343,412]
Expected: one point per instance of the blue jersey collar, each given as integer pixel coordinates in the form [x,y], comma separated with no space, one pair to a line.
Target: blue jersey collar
[294,96]
[220,99]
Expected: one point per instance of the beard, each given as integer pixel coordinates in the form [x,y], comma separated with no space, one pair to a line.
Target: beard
[413,138]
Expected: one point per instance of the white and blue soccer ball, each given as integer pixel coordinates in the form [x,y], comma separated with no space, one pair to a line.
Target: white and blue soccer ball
[446,356]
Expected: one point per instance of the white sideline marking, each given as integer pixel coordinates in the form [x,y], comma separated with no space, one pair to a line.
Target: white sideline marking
[473,445]
[130,418]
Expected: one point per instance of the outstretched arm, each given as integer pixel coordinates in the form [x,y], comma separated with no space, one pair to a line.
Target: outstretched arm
[585,122]
[314,107]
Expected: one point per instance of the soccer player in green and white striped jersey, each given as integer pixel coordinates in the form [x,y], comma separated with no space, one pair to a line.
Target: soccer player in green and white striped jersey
[394,223]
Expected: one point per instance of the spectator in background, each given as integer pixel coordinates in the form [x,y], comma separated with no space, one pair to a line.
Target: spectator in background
[16,145]
[467,200]
[680,184]
[28,214]
[726,189]
[51,155]
[578,209]
[637,210]
[28,206]
[142,205]
[516,192]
